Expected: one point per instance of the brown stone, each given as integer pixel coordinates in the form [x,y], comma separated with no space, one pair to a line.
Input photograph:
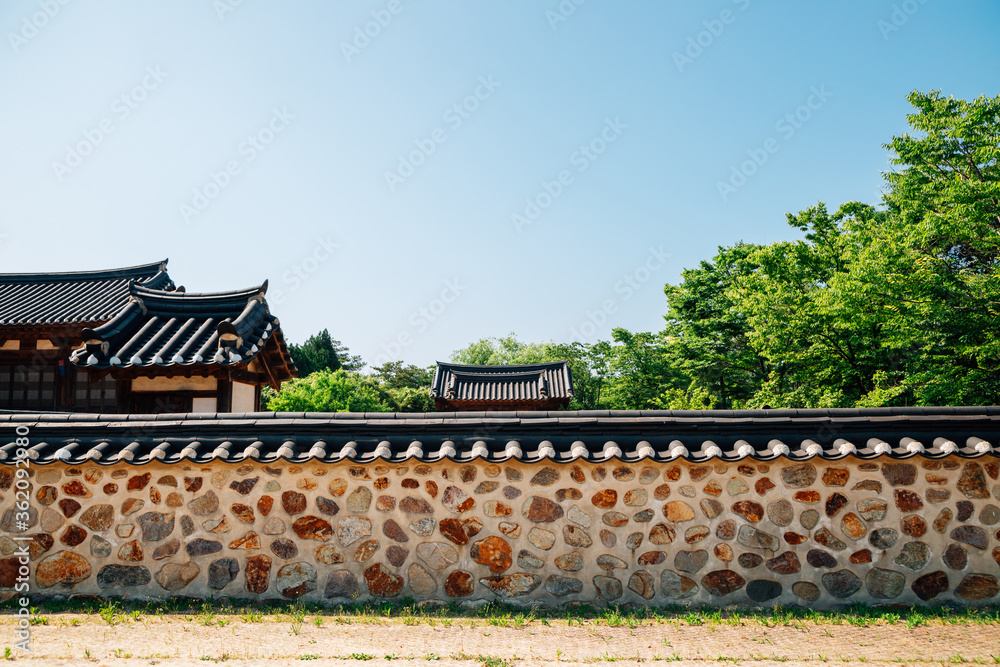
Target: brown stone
[661,533]
[828,539]
[672,474]
[807,496]
[495,509]
[459,584]
[651,558]
[73,535]
[608,538]
[248,542]
[385,503]
[605,499]
[794,539]
[972,483]
[749,561]
[965,510]
[914,525]
[899,474]
[394,531]
[257,572]
[853,527]
[130,551]
[722,582]
[452,529]
[763,485]
[396,555]
[458,501]
[993,469]
[381,483]
[937,495]
[63,567]
[699,472]
[614,519]
[576,474]
[726,530]
[110,489]
[494,552]
[820,558]
[930,585]
[872,509]
[312,527]
[167,550]
[661,492]
[696,534]
[575,536]
[935,479]
[955,557]
[366,550]
[192,484]
[381,582]
[293,502]
[412,505]
[861,557]
[749,510]
[204,505]
[834,503]
[47,495]
[511,530]
[868,485]
[138,482]
[974,536]
[547,476]
[978,587]
[243,512]
[786,563]
[908,501]
[76,488]
[713,488]
[132,505]
[623,474]
[836,476]
[724,552]
[541,510]
[70,507]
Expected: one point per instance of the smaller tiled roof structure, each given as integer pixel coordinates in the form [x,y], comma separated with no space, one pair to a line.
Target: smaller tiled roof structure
[32,300]
[191,331]
[545,386]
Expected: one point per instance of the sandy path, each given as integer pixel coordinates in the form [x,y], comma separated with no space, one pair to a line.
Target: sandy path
[173,640]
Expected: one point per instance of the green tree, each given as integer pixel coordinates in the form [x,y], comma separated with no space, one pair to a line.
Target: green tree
[328,391]
[322,351]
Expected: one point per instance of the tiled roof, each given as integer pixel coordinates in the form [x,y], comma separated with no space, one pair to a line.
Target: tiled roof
[36,299]
[499,384]
[158,328]
[560,437]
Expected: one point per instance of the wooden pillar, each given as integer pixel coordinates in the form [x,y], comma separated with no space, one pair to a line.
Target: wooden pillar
[224,396]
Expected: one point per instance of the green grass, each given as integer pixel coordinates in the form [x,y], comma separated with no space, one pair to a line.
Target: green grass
[114,611]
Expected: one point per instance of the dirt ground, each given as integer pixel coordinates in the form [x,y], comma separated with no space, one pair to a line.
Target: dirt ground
[74,639]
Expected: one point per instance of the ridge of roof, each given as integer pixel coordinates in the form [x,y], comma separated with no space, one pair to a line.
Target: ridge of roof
[139,270]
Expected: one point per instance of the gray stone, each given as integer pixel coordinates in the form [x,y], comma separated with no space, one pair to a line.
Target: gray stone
[156,526]
[809,519]
[883,538]
[990,515]
[175,576]
[610,563]
[204,505]
[221,572]
[99,547]
[359,500]
[756,539]
[576,537]
[806,590]
[884,584]
[111,576]
[642,584]
[353,528]
[424,527]
[295,580]
[608,588]
[974,536]
[273,526]
[842,583]
[341,584]
[167,550]
[676,586]
[200,547]
[914,555]
[529,561]
[9,523]
[187,525]
[780,512]
[563,586]
[577,516]
[437,555]
[762,590]
[690,561]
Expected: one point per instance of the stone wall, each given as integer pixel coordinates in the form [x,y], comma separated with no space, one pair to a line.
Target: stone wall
[819,533]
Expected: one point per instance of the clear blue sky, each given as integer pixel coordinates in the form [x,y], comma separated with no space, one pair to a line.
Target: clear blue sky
[115,116]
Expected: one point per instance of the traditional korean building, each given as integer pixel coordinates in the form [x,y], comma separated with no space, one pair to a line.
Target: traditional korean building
[130,341]
[545,386]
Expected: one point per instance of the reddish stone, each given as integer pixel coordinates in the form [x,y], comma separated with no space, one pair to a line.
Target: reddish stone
[835,503]
[293,502]
[382,582]
[699,472]
[244,486]
[452,529]
[614,519]
[312,528]
[652,558]
[385,503]
[606,498]
[47,495]
[110,489]
[599,473]
[69,507]
[746,470]
[899,474]
[713,488]
[243,512]
[828,539]
[978,587]
[950,464]
[192,484]
[930,585]
[722,582]
[820,558]
[381,483]
[410,483]
[138,482]
[763,485]
[914,525]
[63,567]
[836,476]
[76,488]
[661,533]
[468,473]
[861,557]
[73,535]
[541,510]
[908,501]
[572,494]
[396,555]
[786,563]
[794,538]
[661,492]
[808,496]
[459,584]
[394,531]
[726,530]
[993,470]
[257,572]
[972,483]
[749,510]
[576,474]
[853,527]
[936,479]
[494,552]
[432,488]
[672,474]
